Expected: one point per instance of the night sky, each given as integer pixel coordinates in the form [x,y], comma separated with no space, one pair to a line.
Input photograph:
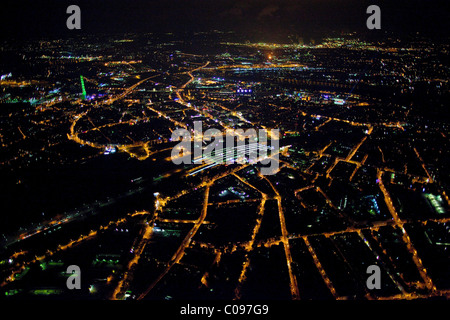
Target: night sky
[272,19]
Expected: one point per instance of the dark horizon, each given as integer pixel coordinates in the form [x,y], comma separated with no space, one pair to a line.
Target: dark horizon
[266,20]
